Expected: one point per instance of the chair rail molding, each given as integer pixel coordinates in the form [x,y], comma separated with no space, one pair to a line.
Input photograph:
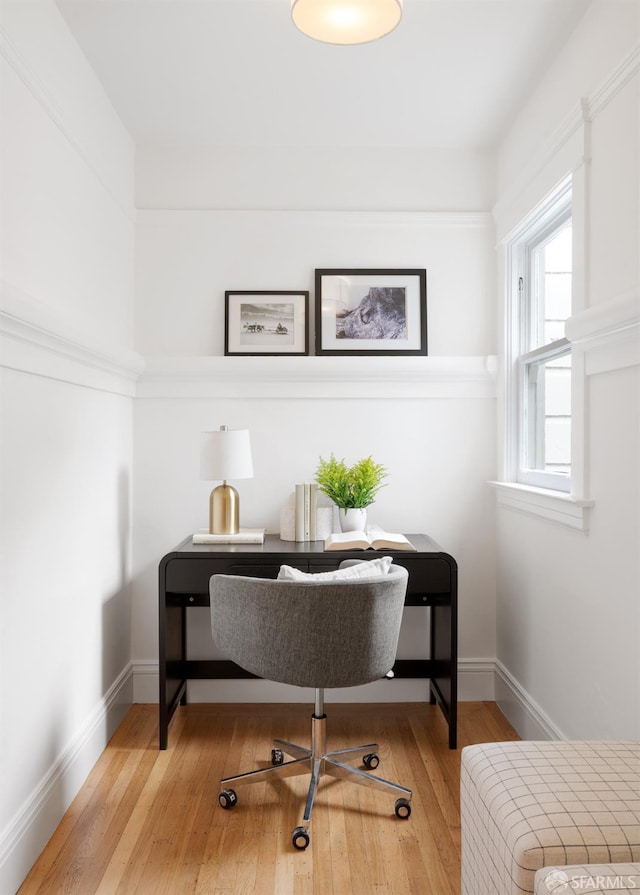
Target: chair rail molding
[35,339]
[608,333]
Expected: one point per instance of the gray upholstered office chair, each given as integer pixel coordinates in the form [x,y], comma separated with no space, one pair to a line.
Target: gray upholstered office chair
[312,634]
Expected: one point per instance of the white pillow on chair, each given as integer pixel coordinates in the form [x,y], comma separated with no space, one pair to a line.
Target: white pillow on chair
[373,568]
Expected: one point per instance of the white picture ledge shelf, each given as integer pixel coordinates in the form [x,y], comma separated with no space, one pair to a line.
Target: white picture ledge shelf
[318,377]
[36,340]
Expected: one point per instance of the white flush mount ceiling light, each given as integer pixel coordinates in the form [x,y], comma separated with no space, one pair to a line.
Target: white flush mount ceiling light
[346,21]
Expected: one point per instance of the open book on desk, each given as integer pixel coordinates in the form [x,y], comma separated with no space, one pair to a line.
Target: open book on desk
[361,540]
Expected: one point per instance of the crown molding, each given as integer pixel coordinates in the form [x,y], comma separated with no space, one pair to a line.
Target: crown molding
[466,220]
[627,69]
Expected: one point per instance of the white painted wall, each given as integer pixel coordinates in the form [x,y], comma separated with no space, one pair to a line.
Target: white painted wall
[340,178]
[186,259]
[430,421]
[66,330]
[568,613]
[68,199]
[74,500]
[436,485]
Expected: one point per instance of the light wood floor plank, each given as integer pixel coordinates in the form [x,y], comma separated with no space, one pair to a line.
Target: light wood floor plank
[148,822]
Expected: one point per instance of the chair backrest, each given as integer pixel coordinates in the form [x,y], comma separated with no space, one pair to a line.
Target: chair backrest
[310,633]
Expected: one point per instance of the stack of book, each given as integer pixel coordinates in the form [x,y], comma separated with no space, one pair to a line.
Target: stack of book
[306,511]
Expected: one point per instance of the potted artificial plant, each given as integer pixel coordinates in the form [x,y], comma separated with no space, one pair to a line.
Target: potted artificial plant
[351,488]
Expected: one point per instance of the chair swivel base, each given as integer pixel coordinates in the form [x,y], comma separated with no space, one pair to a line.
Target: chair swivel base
[318,762]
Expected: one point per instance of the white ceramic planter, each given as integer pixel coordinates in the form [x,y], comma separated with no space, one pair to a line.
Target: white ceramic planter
[352,519]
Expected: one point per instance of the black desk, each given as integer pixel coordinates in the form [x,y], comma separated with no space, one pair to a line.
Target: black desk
[184,582]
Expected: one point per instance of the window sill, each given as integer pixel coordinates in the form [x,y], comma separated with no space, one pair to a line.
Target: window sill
[554,506]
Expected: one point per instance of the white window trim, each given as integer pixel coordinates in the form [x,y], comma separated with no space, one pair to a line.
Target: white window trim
[554,506]
[567,509]
[537,477]
[539,225]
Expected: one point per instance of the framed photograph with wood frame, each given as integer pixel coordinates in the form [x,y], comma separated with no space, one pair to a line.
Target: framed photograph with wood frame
[266,323]
[369,312]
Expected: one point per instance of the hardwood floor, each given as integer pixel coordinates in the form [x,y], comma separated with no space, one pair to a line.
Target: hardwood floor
[148,822]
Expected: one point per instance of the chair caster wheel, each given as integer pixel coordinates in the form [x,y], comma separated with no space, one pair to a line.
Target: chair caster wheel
[403,809]
[300,838]
[370,761]
[277,756]
[227,798]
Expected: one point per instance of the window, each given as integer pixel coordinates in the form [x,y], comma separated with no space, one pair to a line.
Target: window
[541,263]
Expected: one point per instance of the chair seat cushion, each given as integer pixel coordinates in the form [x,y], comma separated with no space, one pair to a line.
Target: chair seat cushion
[366,569]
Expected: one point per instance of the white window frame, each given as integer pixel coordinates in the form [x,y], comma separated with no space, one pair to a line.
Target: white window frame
[527,475]
[569,510]
[535,234]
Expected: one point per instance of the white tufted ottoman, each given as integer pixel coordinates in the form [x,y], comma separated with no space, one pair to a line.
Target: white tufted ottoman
[527,805]
[596,879]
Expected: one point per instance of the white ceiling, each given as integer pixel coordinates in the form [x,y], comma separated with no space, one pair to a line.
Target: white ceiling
[237,72]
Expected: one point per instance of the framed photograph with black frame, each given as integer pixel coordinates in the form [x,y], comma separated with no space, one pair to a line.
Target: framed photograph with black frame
[369,312]
[266,323]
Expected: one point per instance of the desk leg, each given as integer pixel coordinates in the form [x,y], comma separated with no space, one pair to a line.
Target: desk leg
[163,712]
[172,652]
[443,641]
[432,622]
[172,643]
[183,650]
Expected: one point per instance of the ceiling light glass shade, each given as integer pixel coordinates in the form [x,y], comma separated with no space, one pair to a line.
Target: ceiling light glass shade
[346,21]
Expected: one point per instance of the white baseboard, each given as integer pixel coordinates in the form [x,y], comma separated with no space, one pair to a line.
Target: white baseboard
[523,712]
[146,681]
[32,826]
[476,682]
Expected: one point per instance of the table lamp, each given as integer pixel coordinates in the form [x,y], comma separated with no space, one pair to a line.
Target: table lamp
[225,454]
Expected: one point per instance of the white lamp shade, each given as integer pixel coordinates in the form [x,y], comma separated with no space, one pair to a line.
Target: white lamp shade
[225,454]
[346,21]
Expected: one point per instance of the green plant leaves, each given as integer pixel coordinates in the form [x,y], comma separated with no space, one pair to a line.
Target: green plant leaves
[350,486]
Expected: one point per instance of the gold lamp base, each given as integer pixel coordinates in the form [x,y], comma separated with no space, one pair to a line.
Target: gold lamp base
[224,510]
